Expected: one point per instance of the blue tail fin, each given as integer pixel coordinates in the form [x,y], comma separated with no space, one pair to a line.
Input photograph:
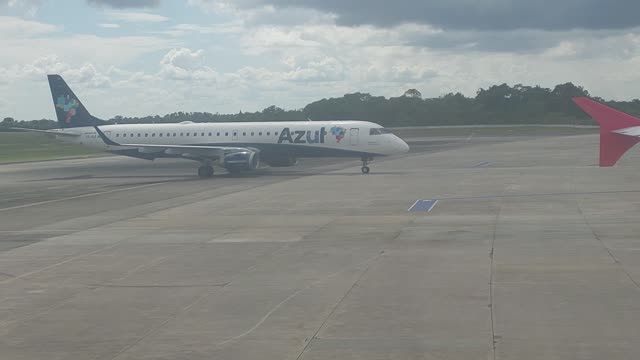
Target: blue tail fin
[69,110]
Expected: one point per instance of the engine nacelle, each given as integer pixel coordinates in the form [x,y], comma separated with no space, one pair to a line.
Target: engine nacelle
[241,161]
[282,161]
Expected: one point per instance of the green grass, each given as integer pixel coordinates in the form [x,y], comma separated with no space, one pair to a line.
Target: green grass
[19,146]
[527,130]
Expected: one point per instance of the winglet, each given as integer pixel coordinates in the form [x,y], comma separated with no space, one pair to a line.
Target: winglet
[105,138]
[612,144]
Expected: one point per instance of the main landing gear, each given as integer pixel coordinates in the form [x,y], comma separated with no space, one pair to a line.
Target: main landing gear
[205,171]
[365,161]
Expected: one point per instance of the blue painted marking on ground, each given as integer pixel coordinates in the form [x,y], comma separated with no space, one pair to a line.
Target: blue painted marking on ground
[482,164]
[423,205]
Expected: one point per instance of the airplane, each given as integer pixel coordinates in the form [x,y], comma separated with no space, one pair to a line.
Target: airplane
[236,146]
[618,131]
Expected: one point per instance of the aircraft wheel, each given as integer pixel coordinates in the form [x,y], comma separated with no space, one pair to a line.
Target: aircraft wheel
[205,172]
[365,169]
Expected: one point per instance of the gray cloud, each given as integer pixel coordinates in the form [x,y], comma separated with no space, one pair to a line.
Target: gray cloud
[122,4]
[498,15]
[515,41]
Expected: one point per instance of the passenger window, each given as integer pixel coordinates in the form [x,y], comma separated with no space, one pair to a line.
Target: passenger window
[260,133]
[160,134]
[202,134]
[275,133]
[217,134]
[124,135]
[146,134]
[244,134]
[226,134]
[187,134]
[268,133]
[174,134]
[235,133]
[168,134]
[181,134]
[153,135]
[252,133]
[210,134]
[117,135]
[139,134]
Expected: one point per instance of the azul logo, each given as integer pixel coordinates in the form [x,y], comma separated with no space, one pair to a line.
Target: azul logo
[68,105]
[302,136]
[338,132]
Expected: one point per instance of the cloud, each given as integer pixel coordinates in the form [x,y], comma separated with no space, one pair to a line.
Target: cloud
[122,4]
[465,14]
[223,28]
[29,7]
[186,64]
[86,75]
[77,49]
[109,26]
[16,27]
[135,17]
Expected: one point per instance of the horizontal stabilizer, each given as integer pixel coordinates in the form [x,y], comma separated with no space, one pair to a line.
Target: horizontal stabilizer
[613,144]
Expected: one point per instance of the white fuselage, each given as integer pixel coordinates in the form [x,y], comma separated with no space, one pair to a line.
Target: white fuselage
[303,138]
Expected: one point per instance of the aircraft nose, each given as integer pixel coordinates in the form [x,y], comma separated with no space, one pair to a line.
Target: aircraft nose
[403,146]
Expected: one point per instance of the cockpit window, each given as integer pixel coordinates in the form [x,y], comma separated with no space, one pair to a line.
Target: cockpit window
[379,131]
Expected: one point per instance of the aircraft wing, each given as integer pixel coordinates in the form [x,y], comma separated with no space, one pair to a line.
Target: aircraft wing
[194,150]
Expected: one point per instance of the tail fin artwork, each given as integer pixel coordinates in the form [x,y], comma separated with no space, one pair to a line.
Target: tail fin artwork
[618,131]
[69,110]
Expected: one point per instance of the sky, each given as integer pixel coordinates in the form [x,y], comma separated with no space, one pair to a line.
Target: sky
[148,57]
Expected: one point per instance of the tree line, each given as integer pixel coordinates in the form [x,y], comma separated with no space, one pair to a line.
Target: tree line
[498,104]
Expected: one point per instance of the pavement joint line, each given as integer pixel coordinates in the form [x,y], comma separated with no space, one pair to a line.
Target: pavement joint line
[539,194]
[81,196]
[366,262]
[6,281]
[607,249]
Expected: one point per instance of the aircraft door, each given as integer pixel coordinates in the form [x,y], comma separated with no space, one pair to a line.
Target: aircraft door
[353,136]
[234,135]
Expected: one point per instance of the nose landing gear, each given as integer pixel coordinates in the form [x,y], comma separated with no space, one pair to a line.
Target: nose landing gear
[365,162]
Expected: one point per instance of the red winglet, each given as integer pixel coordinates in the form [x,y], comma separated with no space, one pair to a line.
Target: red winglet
[612,145]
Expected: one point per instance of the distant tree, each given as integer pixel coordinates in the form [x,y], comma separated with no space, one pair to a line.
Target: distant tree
[7,123]
[413,93]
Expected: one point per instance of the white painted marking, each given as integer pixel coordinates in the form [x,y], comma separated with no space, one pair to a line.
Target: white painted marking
[470,136]
[482,164]
[80,196]
[433,205]
[414,204]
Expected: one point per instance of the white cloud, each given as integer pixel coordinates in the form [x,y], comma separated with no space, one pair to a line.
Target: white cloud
[29,7]
[135,17]
[77,49]
[109,26]
[187,29]
[185,64]
[14,27]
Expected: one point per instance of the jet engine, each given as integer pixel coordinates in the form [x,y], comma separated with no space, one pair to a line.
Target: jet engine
[241,161]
